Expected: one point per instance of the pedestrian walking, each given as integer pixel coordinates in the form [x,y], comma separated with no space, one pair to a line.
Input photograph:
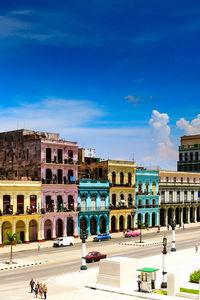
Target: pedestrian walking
[32,283]
[45,291]
[167,226]
[196,247]
[38,247]
[41,291]
[139,282]
[36,290]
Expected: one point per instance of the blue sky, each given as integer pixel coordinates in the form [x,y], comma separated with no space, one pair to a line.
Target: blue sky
[119,76]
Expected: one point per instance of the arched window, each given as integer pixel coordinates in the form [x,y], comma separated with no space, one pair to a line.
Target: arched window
[147,187]
[121,178]
[154,188]
[113,177]
[129,179]
[140,187]
[114,199]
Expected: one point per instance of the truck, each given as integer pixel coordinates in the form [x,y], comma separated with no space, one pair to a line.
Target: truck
[64,241]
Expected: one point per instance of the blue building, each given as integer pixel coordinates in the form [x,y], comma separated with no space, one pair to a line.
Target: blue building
[147,197]
[93,204]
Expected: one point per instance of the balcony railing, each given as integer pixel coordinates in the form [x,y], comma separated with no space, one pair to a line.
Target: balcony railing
[63,162]
[98,208]
[113,207]
[122,184]
[180,202]
[148,206]
[147,194]
[56,181]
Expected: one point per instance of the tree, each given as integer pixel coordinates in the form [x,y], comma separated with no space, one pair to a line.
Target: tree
[13,238]
[141,226]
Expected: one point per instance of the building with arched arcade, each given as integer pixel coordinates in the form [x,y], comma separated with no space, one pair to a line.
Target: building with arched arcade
[147,197]
[20,209]
[179,197]
[93,205]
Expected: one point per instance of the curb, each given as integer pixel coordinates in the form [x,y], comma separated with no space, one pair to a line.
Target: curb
[141,245]
[20,266]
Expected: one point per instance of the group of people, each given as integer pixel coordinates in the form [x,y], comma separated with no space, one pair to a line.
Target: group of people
[38,288]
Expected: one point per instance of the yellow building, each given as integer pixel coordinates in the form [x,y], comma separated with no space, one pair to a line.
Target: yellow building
[20,209]
[121,175]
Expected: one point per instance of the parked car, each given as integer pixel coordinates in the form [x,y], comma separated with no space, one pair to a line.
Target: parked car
[131,233]
[94,256]
[102,237]
[64,241]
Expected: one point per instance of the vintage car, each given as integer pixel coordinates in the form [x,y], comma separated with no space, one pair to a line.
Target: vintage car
[94,256]
[131,233]
[102,237]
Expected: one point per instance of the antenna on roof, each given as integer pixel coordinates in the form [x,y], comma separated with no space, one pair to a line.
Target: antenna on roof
[133,159]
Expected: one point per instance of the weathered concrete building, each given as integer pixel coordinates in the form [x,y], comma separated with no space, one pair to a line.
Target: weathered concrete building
[35,155]
[189,154]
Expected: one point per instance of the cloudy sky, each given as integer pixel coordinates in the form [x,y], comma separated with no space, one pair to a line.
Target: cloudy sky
[118,76]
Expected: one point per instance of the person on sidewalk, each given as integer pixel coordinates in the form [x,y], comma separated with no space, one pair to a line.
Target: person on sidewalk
[41,290]
[139,282]
[45,291]
[39,247]
[32,283]
[196,247]
[36,290]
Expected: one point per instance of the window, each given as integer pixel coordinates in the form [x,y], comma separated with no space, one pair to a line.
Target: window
[181,179]
[196,155]
[130,200]
[185,196]
[170,196]
[60,156]
[27,173]
[194,180]
[167,179]
[140,203]
[192,196]
[178,196]
[186,156]
[15,173]
[114,199]
[60,176]
[36,174]
[129,179]
[27,154]
[191,156]
[20,204]
[48,155]
[180,156]
[70,154]
[33,203]
[174,179]
[100,172]
[188,180]
[121,178]
[162,196]
[113,177]
[140,187]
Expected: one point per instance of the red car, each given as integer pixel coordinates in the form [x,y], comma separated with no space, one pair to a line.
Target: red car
[94,256]
[131,233]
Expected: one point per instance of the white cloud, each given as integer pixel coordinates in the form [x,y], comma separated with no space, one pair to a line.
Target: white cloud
[161,136]
[133,99]
[192,127]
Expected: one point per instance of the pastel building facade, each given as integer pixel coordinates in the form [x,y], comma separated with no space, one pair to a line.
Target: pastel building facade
[179,197]
[20,203]
[93,203]
[147,197]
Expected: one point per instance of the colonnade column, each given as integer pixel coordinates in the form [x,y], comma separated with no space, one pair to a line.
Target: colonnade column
[195,214]
[166,213]
[125,222]
[88,226]
[40,234]
[117,223]
[75,219]
[65,227]
[27,232]
[54,230]
[188,215]
[0,234]
[182,220]
[98,225]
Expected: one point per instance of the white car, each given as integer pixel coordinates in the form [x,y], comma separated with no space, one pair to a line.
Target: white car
[64,241]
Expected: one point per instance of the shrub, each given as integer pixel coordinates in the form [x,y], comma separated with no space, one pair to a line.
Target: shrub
[195,277]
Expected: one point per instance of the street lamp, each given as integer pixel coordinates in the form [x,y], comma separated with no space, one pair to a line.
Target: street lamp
[173,225]
[83,237]
[164,272]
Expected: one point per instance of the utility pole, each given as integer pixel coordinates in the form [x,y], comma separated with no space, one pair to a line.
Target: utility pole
[164,272]
[83,237]
[173,225]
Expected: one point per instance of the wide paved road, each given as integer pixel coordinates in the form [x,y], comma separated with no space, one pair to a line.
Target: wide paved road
[65,260]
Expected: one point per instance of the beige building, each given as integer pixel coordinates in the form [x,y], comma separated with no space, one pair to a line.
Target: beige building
[179,197]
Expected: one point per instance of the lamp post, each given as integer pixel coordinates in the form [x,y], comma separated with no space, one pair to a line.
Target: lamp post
[164,272]
[173,225]
[83,237]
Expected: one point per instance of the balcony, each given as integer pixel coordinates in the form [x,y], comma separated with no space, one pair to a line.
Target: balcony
[121,184]
[98,208]
[56,181]
[61,209]
[61,162]
[148,206]
[116,207]
[147,194]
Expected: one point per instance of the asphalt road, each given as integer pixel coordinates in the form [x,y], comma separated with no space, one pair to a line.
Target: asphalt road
[184,239]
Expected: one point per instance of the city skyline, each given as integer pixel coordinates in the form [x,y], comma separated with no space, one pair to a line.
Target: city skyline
[120,78]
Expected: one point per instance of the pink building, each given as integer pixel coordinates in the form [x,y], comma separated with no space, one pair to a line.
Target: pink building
[34,155]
